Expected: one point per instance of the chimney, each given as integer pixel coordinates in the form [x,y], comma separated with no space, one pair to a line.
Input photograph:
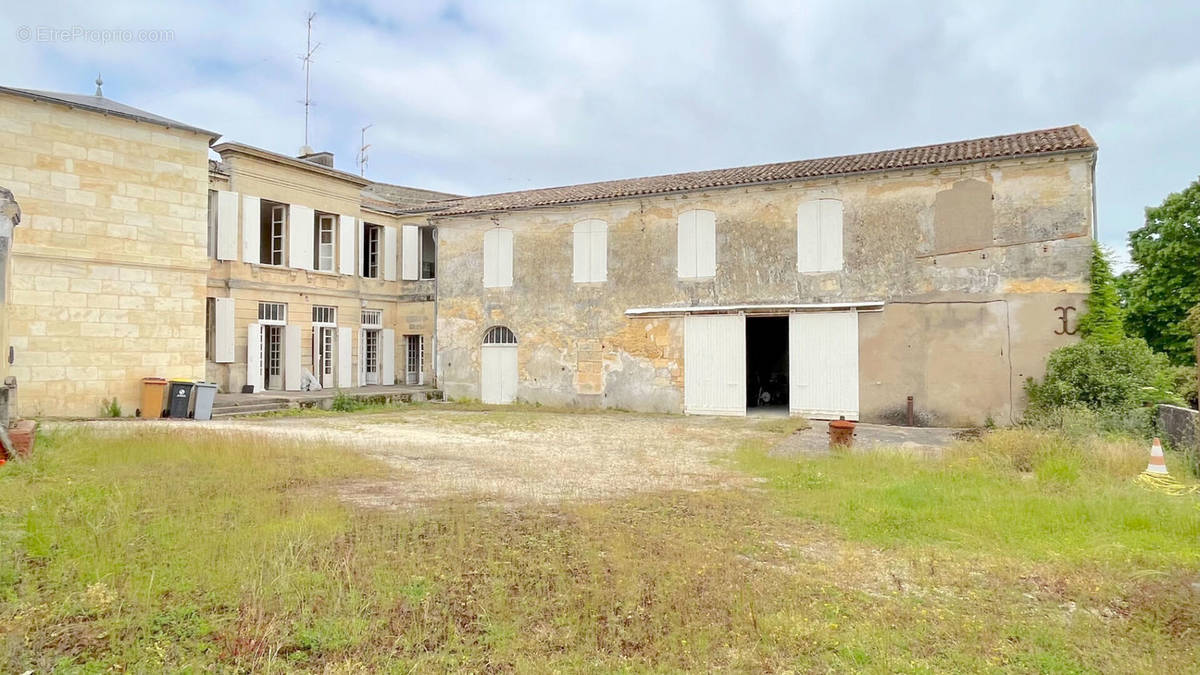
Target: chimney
[324,159]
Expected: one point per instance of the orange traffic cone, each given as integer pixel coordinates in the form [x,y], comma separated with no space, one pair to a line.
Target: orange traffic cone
[1158,464]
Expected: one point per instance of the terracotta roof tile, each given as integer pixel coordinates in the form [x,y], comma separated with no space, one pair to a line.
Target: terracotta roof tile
[1030,143]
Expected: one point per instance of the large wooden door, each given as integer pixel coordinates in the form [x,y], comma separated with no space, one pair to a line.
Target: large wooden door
[823,364]
[714,364]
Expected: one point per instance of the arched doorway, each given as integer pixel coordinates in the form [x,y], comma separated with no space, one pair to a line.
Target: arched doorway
[498,361]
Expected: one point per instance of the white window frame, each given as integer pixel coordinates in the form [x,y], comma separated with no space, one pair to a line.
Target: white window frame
[590,244]
[499,335]
[326,251]
[372,318]
[371,252]
[272,313]
[277,247]
[324,315]
[421,252]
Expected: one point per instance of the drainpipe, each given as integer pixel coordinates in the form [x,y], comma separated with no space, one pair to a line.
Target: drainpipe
[437,275]
[1095,223]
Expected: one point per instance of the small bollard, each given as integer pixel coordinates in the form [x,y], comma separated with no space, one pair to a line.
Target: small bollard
[841,434]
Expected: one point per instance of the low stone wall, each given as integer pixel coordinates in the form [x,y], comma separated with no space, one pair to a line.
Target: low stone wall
[1178,425]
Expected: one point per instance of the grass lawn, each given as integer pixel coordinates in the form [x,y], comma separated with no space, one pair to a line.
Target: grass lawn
[1020,552]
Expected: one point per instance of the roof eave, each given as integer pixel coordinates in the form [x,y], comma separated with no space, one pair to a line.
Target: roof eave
[35,96]
[867,172]
[286,160]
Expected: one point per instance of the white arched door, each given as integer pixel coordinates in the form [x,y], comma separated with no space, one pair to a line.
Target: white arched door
[498,371]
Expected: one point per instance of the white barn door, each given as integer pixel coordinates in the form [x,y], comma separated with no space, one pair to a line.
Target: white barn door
[498,366]
[823,364]
[714,365]
[499,374]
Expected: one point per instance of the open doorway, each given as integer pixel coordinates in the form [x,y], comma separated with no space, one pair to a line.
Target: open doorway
[767,364]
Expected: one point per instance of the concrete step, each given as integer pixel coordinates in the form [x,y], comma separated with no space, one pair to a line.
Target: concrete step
[249,409]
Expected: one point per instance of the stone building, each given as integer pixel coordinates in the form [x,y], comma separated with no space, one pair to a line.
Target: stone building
[829,287]
[143,257]
[109,266]
[836,286]
[307,276]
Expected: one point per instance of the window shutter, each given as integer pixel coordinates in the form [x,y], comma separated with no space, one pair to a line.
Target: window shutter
[250,228]
[497,258]
[254,349]
[599,251]
[343,358]
[808,237]
[227,225]
[489,258]
[504,270]
[387,356]
[223,330]
[346,244]
[686,244]
[388,264]
[706,243]
[830,212]
[582,241]
[360,374]
[291,357]
[410,250]
[300,237]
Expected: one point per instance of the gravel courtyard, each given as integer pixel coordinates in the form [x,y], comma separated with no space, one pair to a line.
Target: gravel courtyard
[510,456]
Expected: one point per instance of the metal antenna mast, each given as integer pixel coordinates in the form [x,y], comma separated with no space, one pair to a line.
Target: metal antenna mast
[308,61]
[362,151]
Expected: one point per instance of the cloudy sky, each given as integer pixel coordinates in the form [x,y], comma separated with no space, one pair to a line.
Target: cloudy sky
[489,96]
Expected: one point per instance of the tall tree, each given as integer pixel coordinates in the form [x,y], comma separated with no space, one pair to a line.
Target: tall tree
[1103,320]
[1166,283]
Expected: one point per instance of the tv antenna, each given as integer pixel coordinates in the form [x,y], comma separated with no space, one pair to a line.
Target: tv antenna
[362,150]
[307,60]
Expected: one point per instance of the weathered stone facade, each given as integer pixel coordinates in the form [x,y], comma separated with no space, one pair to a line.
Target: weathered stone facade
[971,261]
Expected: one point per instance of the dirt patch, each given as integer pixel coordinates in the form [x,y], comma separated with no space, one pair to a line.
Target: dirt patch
[509,457]
[919,441]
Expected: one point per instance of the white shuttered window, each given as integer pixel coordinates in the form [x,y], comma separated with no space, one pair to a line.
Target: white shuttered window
[497,258]
[819,236]
[697,244]
[591,251]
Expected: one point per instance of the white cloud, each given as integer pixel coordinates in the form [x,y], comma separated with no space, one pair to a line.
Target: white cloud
[480,96]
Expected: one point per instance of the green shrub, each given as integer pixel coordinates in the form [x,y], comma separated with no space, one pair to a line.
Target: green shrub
[110,408]
[346,403]
[1103,376]
[1103,321]
[1109,382]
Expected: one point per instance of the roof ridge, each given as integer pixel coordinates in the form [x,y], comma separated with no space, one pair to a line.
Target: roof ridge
[1027,143]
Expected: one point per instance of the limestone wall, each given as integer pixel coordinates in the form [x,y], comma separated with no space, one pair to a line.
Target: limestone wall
[973,262]
[109,274]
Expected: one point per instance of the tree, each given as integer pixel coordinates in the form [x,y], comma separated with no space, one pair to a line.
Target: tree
[1103,320]
[1166,283]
